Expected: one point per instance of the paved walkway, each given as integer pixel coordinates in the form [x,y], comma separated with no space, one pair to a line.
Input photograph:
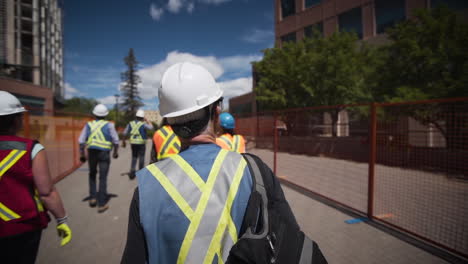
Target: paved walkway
[100,238]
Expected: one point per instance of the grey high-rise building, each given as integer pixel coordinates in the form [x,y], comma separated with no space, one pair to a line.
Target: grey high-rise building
[31,45]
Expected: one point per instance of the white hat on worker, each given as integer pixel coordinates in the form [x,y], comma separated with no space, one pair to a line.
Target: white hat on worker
[100,110]
[140,113]
[9,104]
[185,88]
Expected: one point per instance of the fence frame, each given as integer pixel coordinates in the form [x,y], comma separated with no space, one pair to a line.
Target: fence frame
[371,160]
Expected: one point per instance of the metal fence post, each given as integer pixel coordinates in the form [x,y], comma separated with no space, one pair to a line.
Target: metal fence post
[372,158]
[75,158]
[27,126]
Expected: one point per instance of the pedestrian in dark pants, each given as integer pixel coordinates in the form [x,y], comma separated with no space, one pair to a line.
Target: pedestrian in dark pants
[100,137]
[136,131]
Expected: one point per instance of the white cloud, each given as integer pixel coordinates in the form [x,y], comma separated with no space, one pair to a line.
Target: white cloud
[71,91]
[235,71]
[155,12]
[190,7]
[239,63]
[214,1]
[258,36]
[174,5]
[236,87]
[108,100]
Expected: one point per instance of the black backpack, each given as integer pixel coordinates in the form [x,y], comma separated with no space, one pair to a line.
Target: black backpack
[270,231]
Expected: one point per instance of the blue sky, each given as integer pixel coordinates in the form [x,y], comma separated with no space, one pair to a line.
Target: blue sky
[223,35]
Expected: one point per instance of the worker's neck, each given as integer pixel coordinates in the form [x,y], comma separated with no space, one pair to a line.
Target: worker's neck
[205,138]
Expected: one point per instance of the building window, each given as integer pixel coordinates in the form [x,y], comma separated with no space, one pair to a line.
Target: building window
[351,21]
[454,4]
[309,3]
[26,25]
[288,7]
[26,12]
[388,13]
[310,30]
[291,37]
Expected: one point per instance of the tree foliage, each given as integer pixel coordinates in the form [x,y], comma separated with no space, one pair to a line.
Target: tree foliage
[427,58]
[315,72]
[131,80]
[80,105]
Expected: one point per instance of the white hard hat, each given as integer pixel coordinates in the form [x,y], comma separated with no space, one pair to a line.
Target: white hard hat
[9,104]
[186,88]
[140,113]
[100,110]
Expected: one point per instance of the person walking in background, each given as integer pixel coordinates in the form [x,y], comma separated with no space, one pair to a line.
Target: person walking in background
[99,136]
[165,143]
[228,140]
[136,131]
[27,191]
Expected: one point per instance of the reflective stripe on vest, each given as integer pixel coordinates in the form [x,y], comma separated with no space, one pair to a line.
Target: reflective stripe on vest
[207,205]
[238,144]
[97,138]
[135,135]
[226,141]
[7,214]
[169,143]
[10,160]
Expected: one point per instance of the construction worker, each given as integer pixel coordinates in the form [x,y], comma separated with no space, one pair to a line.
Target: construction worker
[188,208]
[228,140]
[99,136]
[165,142]
[136,131]
[27,191]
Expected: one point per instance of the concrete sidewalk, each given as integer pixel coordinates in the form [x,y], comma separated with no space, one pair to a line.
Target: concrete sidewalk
[100,238]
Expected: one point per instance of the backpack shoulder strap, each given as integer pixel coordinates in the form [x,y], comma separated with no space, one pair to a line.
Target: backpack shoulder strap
[259,188]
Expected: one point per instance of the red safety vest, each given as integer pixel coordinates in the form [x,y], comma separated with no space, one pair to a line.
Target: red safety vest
[20,208]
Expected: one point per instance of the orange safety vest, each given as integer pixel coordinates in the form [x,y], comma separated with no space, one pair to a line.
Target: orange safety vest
[231,142]
[21,210]
[166,142]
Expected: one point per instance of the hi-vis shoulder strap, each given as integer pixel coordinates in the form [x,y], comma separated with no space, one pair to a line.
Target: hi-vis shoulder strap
[6,214]
[226,140]
[238,144]
[170,143]
[97,138]
[135,135]
[207,205]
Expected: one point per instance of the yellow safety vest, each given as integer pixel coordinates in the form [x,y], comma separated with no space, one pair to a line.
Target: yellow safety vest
[166,142]
[96,137]
[135,135]
[207,205]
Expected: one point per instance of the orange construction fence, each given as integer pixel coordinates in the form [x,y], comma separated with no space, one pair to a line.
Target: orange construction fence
[58,132]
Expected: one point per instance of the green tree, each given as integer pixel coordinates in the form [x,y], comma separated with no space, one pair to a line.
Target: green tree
[130,78]
[427,58]
[315,72]
[80,105]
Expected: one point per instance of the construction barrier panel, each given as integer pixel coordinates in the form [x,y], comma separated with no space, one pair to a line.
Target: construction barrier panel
[402,164]
[58,132]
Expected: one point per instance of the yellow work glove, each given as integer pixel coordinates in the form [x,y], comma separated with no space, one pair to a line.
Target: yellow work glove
[65,233]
